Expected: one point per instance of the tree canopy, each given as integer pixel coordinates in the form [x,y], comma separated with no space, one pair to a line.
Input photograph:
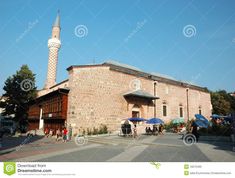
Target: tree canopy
[223,103]
[19,91]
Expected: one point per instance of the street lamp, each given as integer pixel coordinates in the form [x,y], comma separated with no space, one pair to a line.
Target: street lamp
[187,90]
[155,87]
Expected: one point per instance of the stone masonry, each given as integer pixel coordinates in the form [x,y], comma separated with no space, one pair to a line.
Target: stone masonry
[96,97]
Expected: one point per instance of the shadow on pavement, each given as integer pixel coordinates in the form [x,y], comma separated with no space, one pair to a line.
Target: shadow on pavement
[220,145]
[8,143]
[219,142]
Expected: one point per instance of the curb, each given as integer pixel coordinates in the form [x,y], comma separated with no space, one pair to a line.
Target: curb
[7,151]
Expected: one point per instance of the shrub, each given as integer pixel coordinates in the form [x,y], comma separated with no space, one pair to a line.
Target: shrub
[169,126]
[83,132]
[103,129]
[95,131]
[217,130]
[89,131]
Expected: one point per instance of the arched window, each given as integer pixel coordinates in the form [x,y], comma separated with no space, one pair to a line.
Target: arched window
[181,111]
[164,109]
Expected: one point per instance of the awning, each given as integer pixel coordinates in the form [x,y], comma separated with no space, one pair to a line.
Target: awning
[141,94]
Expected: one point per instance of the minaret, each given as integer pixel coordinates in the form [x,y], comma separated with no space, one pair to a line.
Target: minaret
[54,46]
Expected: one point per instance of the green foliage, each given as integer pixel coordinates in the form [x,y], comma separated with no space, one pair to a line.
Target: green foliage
[223,103]
[95,131]
[169,126]
[17,99]
[216,130]
[103,129]
[89,131]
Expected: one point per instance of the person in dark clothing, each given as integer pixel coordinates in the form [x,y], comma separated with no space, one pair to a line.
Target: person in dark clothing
[194,130]
[135,131]
[155,130]
[160,131]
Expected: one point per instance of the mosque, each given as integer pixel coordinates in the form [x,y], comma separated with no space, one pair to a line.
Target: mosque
[109,93]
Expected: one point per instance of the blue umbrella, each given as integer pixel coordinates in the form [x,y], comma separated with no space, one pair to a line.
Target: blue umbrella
[201,121]
[215,116]
[136,119]
[155,121]
[226,118]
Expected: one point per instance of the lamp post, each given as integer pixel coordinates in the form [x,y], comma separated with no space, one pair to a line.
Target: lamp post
[154,88]
[187,90]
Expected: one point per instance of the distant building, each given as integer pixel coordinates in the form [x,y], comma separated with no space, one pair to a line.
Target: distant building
[110,92]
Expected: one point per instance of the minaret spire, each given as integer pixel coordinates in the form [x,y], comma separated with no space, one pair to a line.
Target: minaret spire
[57,20]
[54,46]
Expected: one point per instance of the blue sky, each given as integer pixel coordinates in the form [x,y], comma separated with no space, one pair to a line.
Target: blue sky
[148,34]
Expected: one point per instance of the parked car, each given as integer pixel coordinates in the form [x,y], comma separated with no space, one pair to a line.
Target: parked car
[7,127]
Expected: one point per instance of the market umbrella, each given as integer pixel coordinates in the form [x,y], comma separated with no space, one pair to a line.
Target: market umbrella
[136,119]
[178,120]
[201,121]
[155,121]
[201,118]
[215,116]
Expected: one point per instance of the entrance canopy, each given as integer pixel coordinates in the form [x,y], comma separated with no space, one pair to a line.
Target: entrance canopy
[140,94]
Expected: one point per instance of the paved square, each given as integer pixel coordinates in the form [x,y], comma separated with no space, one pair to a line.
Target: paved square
[164,148]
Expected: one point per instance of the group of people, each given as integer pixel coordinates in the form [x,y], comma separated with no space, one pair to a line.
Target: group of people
[65,133]
[179,128]
[155,131]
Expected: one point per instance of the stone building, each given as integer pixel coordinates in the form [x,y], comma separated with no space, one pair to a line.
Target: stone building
[109,93]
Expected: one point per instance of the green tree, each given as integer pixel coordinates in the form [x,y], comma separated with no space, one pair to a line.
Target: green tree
[19,91]
[223,103]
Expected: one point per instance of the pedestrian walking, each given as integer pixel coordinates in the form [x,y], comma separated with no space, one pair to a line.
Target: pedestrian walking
[135,131]
[70,132]
[46,132]
[65,132]
[58,134]
[51,133]
[155,130]
[160,130]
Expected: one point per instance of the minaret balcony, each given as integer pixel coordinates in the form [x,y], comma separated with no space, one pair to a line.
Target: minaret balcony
[54,43]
